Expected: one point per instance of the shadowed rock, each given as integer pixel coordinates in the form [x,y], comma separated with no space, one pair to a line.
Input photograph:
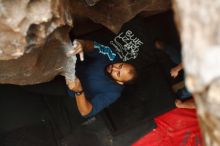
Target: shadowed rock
[113,13]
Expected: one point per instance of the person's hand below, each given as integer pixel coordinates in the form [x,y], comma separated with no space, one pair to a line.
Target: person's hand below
[74,85]
[77,49]
[175,70]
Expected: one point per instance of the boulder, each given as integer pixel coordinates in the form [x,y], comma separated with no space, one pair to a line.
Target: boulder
[198,23]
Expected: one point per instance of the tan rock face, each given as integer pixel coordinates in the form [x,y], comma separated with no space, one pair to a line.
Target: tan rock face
[200,34]
[199,28]
[12,44]
[17,18]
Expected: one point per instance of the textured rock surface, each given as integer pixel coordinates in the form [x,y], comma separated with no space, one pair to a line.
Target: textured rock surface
[92,2]
[200,33]
[24,24]
[31,47]
[113,13]
[41,64]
